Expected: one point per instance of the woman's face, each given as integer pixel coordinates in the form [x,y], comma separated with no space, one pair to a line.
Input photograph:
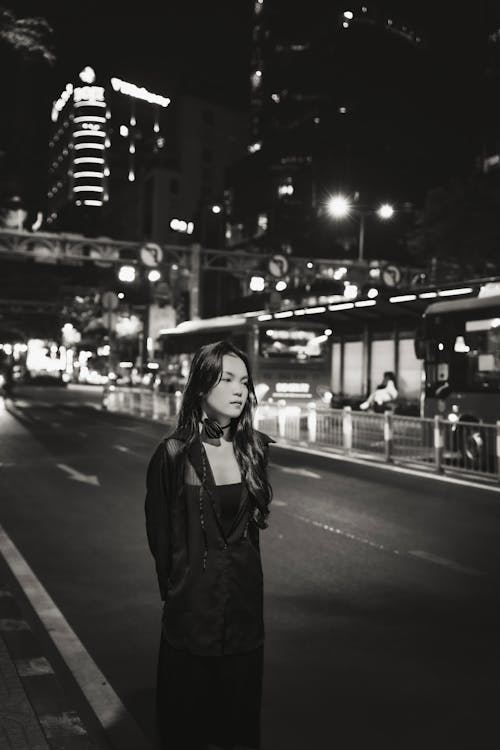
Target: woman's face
[228,397]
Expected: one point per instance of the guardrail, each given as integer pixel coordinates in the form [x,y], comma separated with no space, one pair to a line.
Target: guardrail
[435,445]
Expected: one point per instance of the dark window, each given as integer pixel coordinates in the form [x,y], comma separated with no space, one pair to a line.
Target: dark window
[174,186]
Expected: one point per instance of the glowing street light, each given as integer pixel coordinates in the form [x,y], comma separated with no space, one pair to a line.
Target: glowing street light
[338,206]
[385,211]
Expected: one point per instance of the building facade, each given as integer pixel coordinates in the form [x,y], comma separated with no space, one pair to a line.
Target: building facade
[129,163]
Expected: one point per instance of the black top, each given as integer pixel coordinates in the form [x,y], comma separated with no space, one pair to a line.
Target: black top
[205,541]
[229,496]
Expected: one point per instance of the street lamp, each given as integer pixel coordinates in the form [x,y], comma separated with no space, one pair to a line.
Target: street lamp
[338,206]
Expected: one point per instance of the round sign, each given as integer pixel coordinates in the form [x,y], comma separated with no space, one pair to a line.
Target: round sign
[109,301]
[278,266]
[151,254]
[391,275]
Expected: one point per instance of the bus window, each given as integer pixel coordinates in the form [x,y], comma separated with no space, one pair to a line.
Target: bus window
[482,345]
[292,344]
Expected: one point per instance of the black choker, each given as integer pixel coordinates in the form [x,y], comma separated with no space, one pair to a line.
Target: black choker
[213,428]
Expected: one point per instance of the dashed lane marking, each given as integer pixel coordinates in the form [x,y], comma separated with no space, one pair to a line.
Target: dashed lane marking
[122,448]
[419,554]
[103,700]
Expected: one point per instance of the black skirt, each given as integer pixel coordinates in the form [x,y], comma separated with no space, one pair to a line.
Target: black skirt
[208,699]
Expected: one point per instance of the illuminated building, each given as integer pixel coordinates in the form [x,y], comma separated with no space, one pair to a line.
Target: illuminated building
[128,163]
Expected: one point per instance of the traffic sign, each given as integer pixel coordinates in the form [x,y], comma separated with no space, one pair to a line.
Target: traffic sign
[391,275]
[151,254]
[278,266]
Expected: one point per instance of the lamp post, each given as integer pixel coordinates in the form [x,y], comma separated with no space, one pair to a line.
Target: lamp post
[338,206]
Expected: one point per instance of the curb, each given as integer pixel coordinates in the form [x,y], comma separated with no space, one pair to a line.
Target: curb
[36,711]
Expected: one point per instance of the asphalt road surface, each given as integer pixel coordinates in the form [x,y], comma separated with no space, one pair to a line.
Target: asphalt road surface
[381,589]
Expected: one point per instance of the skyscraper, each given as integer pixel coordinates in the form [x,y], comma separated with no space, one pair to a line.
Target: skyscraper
[129,163]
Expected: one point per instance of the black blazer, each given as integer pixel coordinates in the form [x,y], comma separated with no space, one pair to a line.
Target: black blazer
[211,582]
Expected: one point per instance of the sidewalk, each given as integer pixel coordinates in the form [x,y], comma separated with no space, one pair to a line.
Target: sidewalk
[37,709]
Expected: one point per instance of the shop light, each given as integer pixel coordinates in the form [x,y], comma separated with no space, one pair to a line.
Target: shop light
[314,310]
[453,292]
[342,306]
[403,298]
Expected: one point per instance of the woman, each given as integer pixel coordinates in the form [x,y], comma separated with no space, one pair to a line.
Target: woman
[384,396]
[207,498]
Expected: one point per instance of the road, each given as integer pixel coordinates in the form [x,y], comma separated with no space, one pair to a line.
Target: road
[380,588]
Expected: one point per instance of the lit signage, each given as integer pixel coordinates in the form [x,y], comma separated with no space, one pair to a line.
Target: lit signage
[87,75]
[130,89]
[89,94]
[291,334]
[60,103]
[292,387]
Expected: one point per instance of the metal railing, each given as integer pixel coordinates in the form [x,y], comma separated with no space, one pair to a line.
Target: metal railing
[435,445]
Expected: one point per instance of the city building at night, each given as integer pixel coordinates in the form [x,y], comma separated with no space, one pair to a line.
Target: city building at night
[337,105]
[129,163]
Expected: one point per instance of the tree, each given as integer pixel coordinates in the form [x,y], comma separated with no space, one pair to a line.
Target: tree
[460,225]
[28,37]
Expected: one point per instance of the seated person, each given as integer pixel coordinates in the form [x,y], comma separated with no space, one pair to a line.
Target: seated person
[384,396]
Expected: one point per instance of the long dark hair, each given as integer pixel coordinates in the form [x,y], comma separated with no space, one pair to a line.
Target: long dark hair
[249,447]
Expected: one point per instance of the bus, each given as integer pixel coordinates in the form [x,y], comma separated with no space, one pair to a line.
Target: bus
[459,343]
[290,358]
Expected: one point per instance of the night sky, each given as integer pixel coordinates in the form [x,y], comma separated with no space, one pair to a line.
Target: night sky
[203,48]
[199,45]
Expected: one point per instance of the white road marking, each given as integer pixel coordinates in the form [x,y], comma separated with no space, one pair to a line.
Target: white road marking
[279,502]
[348,534]
[105,703]
[78,476]
[56,425]
[122,448]
[451,564]
[300,471]
[420,554]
